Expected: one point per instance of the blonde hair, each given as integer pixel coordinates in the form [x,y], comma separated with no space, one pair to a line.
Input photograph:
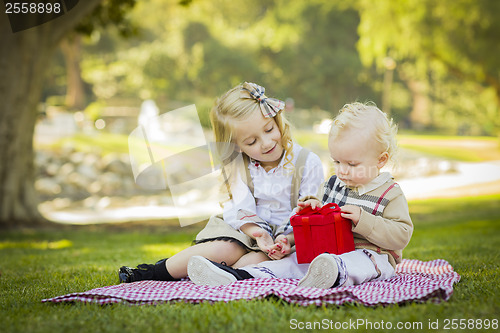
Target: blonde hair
[230,107]
[369,118]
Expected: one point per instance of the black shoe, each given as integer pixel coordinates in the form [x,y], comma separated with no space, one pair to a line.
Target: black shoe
[156,271]
[142,272]
[210,273]
[160,261]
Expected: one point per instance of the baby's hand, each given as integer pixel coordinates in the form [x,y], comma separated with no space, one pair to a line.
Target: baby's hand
[351,212]
[310,202]
[281,248]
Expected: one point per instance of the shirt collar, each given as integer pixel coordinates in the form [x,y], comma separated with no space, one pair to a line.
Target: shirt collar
[375,183]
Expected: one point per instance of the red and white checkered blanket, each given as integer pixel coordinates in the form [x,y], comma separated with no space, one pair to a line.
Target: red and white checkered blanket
[415,281]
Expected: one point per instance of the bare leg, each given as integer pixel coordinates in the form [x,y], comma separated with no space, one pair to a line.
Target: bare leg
[217,251]
[251,258]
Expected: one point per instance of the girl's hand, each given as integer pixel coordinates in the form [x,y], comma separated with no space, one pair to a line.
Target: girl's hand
[310,202]
[264,240]
[351,212]
[281,248]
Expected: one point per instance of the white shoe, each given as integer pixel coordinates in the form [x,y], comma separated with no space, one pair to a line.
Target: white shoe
[322,273]
[203,272]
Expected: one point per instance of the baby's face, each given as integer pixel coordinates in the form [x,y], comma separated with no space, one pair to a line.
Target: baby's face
[357,157]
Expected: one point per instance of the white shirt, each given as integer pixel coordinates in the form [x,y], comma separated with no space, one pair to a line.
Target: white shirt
[272,190]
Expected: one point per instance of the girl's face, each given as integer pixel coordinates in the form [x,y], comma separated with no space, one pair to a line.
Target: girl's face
[357,157]
[260,139]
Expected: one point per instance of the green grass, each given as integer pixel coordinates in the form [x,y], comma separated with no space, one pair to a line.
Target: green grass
[457,148]
[104,143]
[110,143]
[37,264]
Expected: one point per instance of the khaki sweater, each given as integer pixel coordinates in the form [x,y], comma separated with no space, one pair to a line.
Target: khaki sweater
[385,227]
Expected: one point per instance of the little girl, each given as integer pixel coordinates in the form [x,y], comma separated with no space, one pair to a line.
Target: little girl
[276,171]
[362,140]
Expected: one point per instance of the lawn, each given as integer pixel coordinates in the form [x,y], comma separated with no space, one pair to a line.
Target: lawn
[459,148]
[37,264]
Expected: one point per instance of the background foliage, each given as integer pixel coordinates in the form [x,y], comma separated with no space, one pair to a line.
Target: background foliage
[321,53]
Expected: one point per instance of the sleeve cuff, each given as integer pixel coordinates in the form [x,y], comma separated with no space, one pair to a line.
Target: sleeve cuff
[364,227]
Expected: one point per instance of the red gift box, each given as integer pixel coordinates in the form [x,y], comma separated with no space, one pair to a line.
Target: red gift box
[319,231]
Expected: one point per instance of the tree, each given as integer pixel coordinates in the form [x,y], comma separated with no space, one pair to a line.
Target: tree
[323,68]
[71,48]
[24,59]
[109,12]
[300,49]
[434,42]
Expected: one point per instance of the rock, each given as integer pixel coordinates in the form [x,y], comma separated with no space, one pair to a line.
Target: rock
[61,203]
[91,202]
[104,202]
[79,176]
[94,187]
[78,180]
[88,170]
[52,169]
[76,157]
[110,182]
[41,158]
[66,169]
[47,186]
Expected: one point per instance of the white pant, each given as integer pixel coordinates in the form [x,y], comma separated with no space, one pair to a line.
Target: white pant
[359,268]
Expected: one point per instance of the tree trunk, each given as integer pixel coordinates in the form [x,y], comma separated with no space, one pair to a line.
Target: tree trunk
[24,58]
[420,116]
[75,91]
[20,89]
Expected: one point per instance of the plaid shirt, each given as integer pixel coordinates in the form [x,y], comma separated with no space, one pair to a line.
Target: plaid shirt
[337,192]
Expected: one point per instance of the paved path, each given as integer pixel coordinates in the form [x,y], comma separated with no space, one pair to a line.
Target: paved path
[471,179]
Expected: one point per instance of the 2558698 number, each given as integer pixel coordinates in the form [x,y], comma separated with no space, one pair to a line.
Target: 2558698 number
[32,7]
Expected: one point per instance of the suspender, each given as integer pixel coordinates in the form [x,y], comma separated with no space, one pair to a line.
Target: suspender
[382,197]
[249,182]
[297,176]
[296,179]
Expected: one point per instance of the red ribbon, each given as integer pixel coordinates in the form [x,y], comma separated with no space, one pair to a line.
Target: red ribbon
[325,210]
[338,232]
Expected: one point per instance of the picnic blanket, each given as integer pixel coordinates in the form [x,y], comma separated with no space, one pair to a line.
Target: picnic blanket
[415,281]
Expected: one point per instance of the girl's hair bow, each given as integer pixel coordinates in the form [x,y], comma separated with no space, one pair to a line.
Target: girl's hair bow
[269,106]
